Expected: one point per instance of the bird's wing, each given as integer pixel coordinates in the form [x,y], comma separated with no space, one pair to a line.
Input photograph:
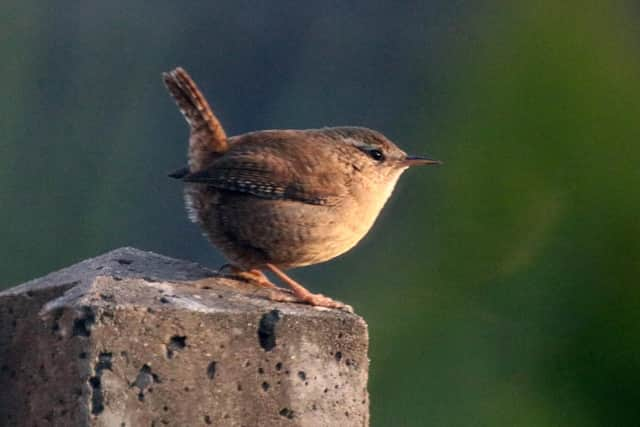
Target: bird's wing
[265,174]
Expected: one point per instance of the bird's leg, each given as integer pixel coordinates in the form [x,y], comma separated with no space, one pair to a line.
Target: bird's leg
[306,296]
[254,276]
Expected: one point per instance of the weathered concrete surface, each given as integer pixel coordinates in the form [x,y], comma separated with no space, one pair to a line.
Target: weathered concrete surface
[132,338]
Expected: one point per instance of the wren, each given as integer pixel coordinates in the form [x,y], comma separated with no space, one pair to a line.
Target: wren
[279,199]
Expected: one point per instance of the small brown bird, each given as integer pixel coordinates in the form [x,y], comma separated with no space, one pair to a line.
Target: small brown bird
[279,199]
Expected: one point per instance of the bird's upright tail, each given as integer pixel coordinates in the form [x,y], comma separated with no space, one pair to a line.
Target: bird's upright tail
[208,139]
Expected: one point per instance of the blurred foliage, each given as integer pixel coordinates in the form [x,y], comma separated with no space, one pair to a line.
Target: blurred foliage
[499,289]
[526,310]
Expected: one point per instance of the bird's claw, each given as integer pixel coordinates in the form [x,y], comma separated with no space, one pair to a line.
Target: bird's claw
[319,300]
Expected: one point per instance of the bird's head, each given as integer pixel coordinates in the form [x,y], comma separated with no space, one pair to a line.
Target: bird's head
[374,154]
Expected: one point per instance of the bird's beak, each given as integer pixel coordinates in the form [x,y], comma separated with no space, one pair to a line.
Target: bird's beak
[419,161]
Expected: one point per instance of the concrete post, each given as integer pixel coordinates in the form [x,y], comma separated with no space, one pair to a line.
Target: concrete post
[133,338]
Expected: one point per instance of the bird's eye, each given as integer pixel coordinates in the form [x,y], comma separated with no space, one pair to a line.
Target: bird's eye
[376,155]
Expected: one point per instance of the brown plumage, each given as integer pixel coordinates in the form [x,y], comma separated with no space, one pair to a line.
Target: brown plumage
[279,199]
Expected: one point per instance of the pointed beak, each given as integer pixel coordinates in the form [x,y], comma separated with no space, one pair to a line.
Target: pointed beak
[419,161]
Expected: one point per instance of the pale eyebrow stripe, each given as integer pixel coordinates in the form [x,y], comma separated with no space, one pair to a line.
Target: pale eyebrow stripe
[359,144]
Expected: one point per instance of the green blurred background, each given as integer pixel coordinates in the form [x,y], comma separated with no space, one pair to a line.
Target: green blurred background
[500,289]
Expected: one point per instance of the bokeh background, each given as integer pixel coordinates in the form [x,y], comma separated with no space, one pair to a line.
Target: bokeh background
[500,289]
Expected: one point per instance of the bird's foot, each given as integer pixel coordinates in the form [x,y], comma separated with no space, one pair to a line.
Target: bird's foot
[319,300]
[275,293]
[303,295]
[316,300]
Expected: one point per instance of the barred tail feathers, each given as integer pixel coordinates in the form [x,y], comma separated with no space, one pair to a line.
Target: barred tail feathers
[208,139]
